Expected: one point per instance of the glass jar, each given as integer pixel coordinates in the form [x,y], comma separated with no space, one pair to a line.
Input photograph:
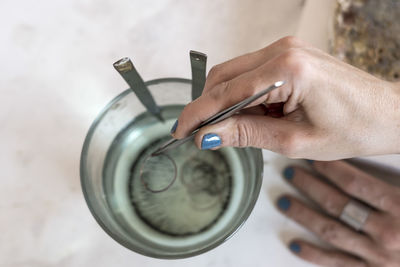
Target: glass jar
[116,140]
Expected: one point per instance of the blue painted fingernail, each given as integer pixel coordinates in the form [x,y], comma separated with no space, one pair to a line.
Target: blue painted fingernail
[284,203]
[173,129]
[310,161]
[288,173]
[210,141]
[295,247]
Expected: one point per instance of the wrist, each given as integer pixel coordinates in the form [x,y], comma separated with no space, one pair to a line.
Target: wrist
[383,137]
[396,117]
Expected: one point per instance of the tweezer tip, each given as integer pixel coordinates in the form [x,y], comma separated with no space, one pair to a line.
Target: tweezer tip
[155,153]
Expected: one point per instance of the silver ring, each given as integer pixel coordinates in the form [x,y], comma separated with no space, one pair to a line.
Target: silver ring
[355,214]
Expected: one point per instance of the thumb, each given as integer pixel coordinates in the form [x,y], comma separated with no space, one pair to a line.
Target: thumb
[275,134]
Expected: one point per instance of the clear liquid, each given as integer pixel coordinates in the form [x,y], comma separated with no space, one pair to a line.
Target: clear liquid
[195,200]
[201,201]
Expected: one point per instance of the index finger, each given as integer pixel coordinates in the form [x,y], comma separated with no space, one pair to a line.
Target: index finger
[231,92]
[247,62]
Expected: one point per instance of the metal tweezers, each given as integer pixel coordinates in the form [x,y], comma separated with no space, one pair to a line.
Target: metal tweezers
[170,144]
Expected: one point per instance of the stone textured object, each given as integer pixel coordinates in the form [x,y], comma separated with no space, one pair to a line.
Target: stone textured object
[366,34]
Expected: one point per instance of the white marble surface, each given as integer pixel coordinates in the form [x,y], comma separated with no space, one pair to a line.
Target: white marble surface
[56,75]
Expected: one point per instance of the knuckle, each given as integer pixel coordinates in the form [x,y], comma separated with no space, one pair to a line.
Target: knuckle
[290,145]
[221,91]
[330,232]
[296,61]
[250,88]
[354,186]
[216,72]
[242,133]
[225,87]
[391,202]
[290,41]
[331,206]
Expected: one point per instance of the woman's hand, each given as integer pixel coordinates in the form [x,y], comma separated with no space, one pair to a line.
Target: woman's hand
[326,110]
[379,242]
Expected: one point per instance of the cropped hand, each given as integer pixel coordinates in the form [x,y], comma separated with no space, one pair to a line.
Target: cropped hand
[326,110]
[337,183]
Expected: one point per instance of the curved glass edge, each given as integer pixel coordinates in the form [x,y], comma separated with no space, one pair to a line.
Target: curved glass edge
[257,152]
[84,153]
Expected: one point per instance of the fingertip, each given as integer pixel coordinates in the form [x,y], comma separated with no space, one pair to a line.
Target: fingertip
[295,246]
[288,173]
[173,129]
[301,248]
[283,203]
[210,141]
[214,136]
[320,256]
[197,139]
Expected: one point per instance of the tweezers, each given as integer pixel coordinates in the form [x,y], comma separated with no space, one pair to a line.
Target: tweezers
[173,143]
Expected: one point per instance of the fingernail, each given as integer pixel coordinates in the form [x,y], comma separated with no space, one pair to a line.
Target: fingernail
[210,140]
[284,203]
[295,247]
[288,173]
[173,129]
[310,161]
